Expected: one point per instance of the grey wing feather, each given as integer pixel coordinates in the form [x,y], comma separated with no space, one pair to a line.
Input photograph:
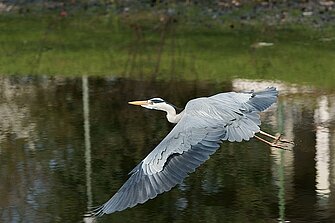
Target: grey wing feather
[141,186]
[264,99]
[205,123]
[245,108]
[256,101]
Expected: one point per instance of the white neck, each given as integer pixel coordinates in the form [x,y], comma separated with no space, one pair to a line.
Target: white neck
[171,113]
[173,118]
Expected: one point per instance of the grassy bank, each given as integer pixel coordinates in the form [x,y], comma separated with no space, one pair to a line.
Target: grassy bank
[152,46]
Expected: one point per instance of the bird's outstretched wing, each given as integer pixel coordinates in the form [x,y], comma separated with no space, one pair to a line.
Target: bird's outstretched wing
[251,101]
[206,122]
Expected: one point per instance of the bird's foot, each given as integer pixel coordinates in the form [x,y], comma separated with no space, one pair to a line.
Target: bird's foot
[278,138]
[279,144]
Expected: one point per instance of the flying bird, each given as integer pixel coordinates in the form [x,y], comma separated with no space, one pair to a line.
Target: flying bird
[200,129]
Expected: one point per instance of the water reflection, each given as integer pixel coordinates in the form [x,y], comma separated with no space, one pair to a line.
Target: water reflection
[321,117]
[88,159]
[67,144]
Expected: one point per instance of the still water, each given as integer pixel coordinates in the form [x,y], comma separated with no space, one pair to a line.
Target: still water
[67,144]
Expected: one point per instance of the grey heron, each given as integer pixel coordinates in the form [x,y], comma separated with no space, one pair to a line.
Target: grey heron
[200,129]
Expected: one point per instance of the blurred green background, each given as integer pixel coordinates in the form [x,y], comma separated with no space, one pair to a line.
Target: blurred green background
[291,41]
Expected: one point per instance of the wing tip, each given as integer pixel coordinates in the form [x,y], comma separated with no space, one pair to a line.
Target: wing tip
[96,211]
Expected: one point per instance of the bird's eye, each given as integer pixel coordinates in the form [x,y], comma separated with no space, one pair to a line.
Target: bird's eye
[151,102]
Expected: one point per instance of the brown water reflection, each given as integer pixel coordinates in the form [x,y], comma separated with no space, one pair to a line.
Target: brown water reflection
[57,160]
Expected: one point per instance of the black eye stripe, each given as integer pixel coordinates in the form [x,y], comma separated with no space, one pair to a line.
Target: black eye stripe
[156,101]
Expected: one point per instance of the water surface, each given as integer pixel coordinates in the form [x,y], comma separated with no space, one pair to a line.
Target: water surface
[67,144]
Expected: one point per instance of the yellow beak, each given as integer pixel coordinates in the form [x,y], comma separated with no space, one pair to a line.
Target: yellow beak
[138,102]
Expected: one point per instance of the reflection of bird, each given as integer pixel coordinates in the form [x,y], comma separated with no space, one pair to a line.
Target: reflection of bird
[201,127]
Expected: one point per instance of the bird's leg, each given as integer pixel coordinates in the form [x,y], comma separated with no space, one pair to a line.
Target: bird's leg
[276,138]
[272,144]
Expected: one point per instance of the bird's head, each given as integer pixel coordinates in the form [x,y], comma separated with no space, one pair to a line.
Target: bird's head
[160,104]
[153,103]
